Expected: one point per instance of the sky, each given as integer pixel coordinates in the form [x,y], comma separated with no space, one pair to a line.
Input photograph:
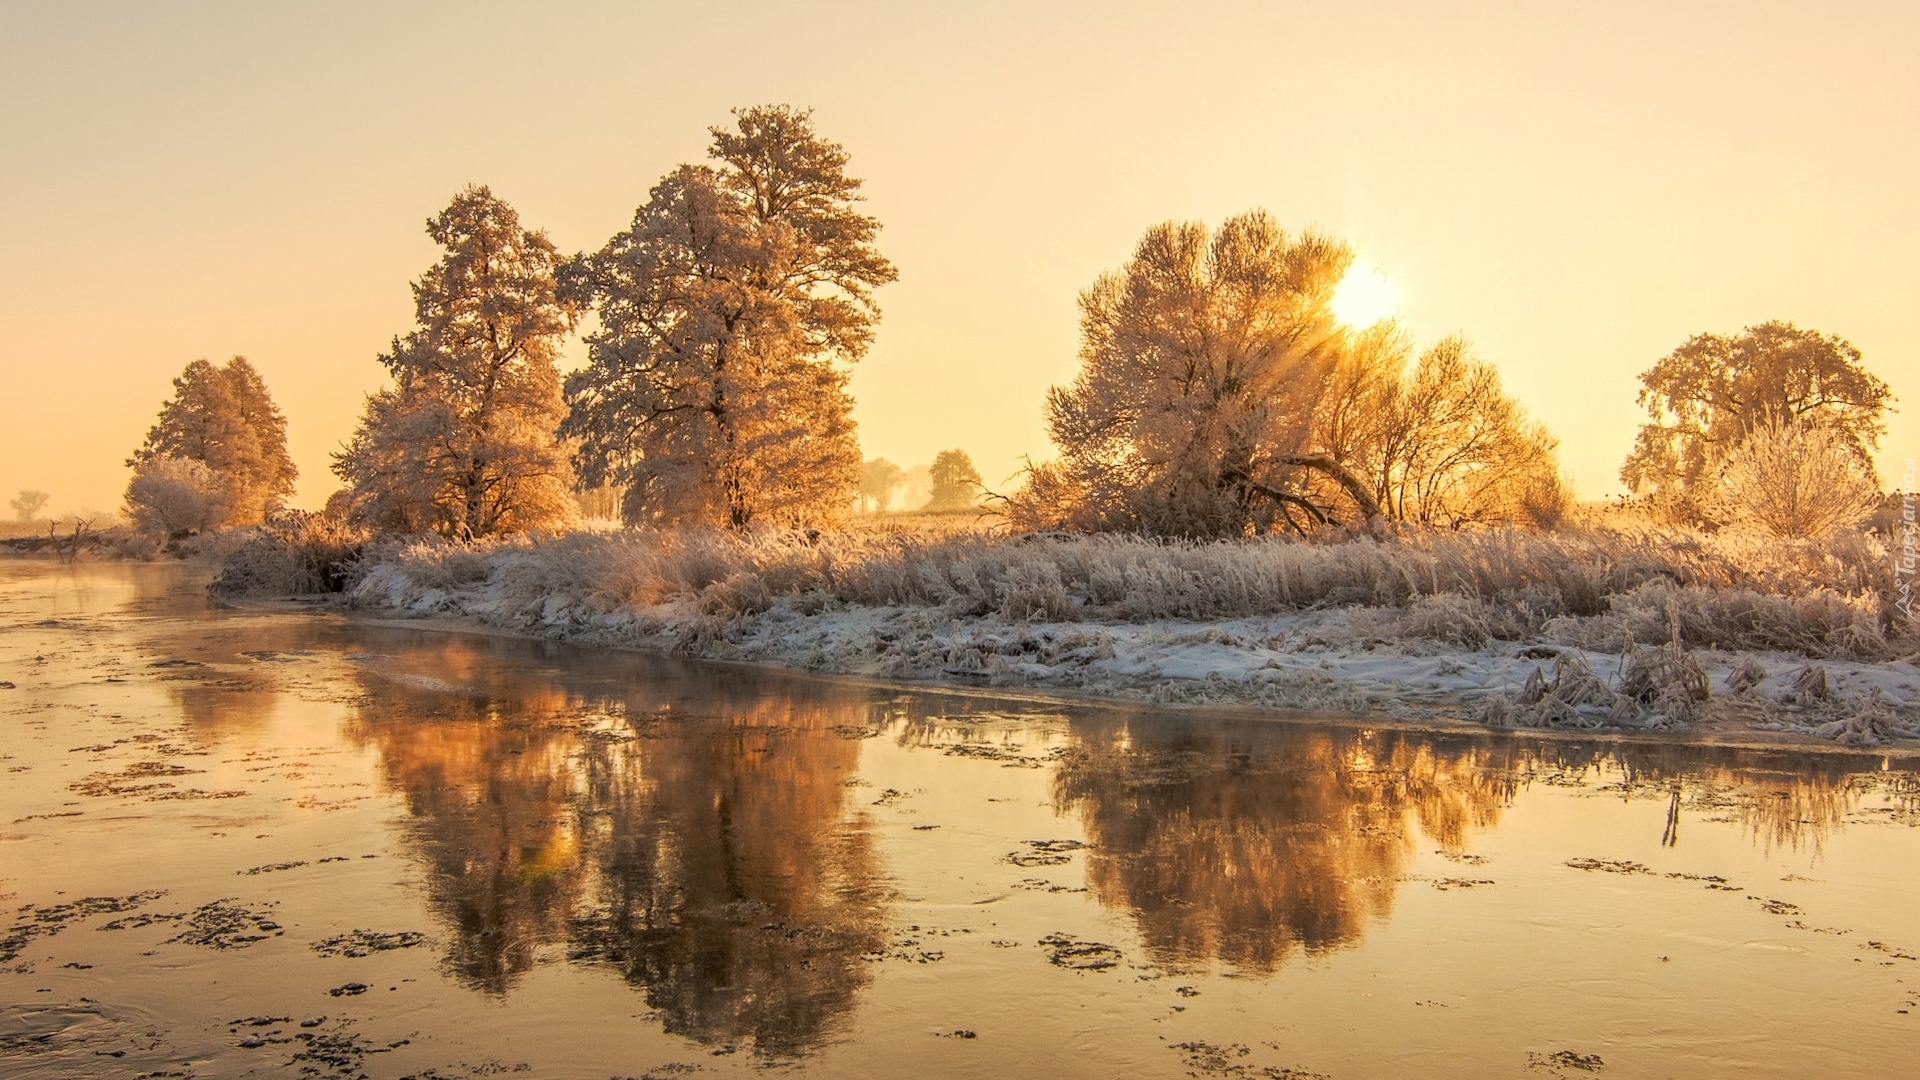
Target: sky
[1575,188]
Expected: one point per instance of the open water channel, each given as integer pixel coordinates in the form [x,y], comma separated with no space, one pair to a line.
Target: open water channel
[292,844]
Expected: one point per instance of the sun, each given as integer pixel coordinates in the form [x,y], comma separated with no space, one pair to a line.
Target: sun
[1364,297]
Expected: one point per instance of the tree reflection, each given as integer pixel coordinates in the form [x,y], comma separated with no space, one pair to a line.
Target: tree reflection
[710,857]
[1780,798]
[490,798]
[729,883]
[1251,843]
[690,826]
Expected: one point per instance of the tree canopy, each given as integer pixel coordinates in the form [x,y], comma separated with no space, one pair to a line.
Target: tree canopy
[223,417]
[878,478]
[715,389]
[464,442]
[1705,397]
[28,504]
[1218,396]
[956,483]
[1200,362]
[1435,440]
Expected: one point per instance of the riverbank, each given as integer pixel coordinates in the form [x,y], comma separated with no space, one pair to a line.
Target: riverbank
[1587,632]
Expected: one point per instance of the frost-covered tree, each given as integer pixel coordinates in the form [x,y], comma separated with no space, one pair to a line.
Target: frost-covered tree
[1201,363]
[878,478]
[1218,396]
[28,504]
[1438,442]
[223,417]
[716,387]
[1792,478]
[956,483]
[1704,398]
[464,443]
[169,495]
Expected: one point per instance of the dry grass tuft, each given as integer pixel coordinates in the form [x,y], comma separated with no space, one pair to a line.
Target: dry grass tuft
[294,554]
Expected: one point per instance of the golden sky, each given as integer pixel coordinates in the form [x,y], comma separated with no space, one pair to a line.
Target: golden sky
[1577,188]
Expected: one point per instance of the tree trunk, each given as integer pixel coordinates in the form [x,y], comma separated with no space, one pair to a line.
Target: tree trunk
[474,499]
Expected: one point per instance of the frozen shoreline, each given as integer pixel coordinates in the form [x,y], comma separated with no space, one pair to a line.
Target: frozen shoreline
[1329,661]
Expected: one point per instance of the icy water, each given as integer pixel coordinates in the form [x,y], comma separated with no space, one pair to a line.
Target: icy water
[241,843]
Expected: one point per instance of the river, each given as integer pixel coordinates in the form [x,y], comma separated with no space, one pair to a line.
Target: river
[289,843]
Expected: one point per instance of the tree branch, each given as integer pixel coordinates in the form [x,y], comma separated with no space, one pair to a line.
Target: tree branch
[1324,463]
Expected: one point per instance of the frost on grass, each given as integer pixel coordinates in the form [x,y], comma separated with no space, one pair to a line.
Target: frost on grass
[1514,627]
[1657,688]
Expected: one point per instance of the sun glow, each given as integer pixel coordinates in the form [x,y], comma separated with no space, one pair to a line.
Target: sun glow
[1364,297]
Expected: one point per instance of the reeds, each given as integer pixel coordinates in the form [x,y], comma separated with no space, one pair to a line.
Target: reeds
[1597,588]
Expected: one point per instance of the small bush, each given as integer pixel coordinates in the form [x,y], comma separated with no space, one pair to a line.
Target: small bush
[175,496]
[1795,479]
[294,554]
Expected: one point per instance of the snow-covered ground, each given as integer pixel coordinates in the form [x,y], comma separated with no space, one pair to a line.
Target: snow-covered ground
[1409,661]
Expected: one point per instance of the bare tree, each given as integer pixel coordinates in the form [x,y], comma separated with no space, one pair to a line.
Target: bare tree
[1441,444]
[464,442]
[28,504]
[715,389]
[1792,478]
[224,417]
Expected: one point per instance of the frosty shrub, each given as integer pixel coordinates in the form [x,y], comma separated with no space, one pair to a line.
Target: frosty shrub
[1795,479]
[170,495]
